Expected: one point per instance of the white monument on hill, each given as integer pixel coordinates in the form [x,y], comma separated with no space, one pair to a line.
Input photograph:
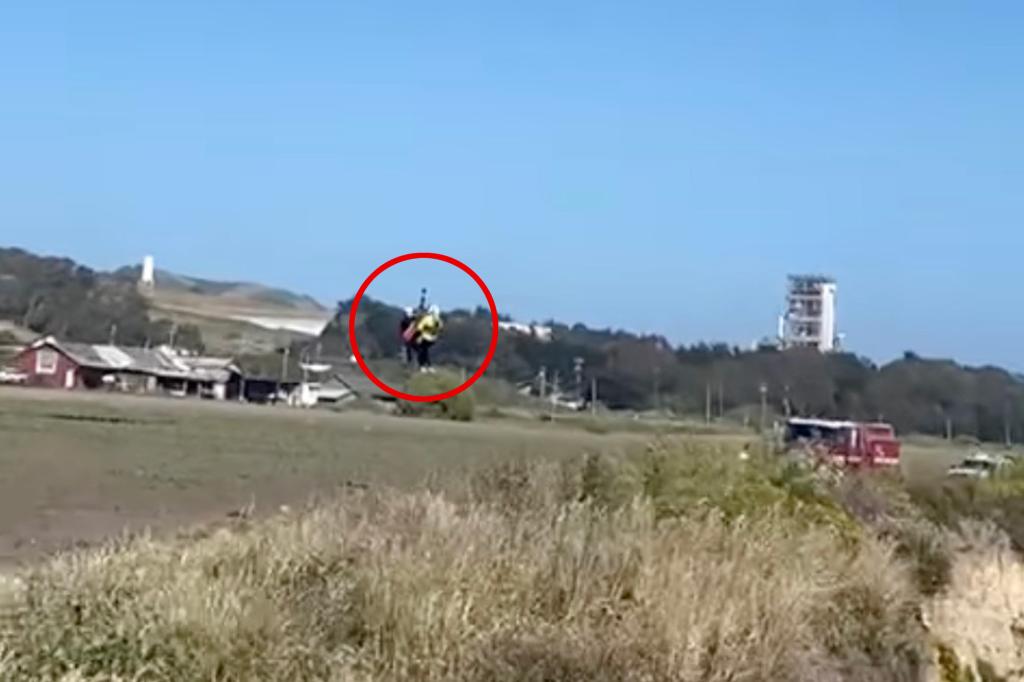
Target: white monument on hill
[148,277]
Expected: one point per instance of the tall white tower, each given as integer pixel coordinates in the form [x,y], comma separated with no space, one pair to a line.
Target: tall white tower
[810,320]
[829,333]
[148,277]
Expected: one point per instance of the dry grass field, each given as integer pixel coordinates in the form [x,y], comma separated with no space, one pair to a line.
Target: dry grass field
[75,468]
[662,556]
[679,562]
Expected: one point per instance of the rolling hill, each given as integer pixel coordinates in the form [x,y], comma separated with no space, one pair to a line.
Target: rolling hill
[56,295]
[237,316]
[243,295]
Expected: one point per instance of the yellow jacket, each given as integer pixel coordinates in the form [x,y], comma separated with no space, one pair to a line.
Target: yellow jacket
[428,327]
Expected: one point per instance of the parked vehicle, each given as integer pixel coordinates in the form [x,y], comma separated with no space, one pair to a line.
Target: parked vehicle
[11,376]
[979,465]
[846,443]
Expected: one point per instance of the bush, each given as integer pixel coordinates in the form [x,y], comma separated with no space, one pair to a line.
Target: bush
[498,392]
[881,503]
[987,673]
[462,407]
[519,583]
[495,413]
[999,500]
[952,670]
[596,426]
[926,547]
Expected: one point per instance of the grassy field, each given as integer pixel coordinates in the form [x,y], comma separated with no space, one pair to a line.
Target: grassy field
[925,459]
[680,562]
[659,556]
[75,468]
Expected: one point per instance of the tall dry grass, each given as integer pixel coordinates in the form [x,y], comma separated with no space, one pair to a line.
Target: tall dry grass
[528,574]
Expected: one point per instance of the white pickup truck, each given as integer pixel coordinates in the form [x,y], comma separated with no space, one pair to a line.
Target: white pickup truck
[979,465]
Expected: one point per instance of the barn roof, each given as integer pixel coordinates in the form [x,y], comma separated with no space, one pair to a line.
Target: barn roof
[105,356]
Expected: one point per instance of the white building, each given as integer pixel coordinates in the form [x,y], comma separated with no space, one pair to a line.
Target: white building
[538,331]
[810,318]
[148,278]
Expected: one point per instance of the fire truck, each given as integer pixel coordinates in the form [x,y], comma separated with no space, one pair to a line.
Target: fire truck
[845,443]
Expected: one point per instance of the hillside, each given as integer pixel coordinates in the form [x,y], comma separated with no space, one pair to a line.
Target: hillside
[175,288]
[233,316]
[58,296]
[53,295]
[245,293]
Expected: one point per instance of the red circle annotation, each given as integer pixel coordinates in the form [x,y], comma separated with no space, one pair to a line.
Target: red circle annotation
[409,396]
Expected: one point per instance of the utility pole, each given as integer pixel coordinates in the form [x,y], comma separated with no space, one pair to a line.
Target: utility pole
[657,387]
[113,334]
[284,363]
[1007,428]
[721,399]
[542,378]
[707,403]
[554,393]
[578,372]
[764,405]
[593,396]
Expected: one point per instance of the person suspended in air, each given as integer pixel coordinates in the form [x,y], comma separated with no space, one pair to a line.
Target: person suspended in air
[427,330]
[407,333]
[407,329]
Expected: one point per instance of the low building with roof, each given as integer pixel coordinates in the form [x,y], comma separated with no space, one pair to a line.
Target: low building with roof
[50,363]
[292,380]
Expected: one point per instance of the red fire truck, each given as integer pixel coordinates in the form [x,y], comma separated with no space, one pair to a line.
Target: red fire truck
[846,443]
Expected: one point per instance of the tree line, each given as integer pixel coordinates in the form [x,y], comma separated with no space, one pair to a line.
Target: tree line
[930,396]
[57,296]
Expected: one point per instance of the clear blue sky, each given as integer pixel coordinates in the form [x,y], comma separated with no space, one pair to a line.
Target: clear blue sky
[659,166]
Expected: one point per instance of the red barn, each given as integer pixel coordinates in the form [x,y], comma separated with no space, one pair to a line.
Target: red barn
[47,364]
